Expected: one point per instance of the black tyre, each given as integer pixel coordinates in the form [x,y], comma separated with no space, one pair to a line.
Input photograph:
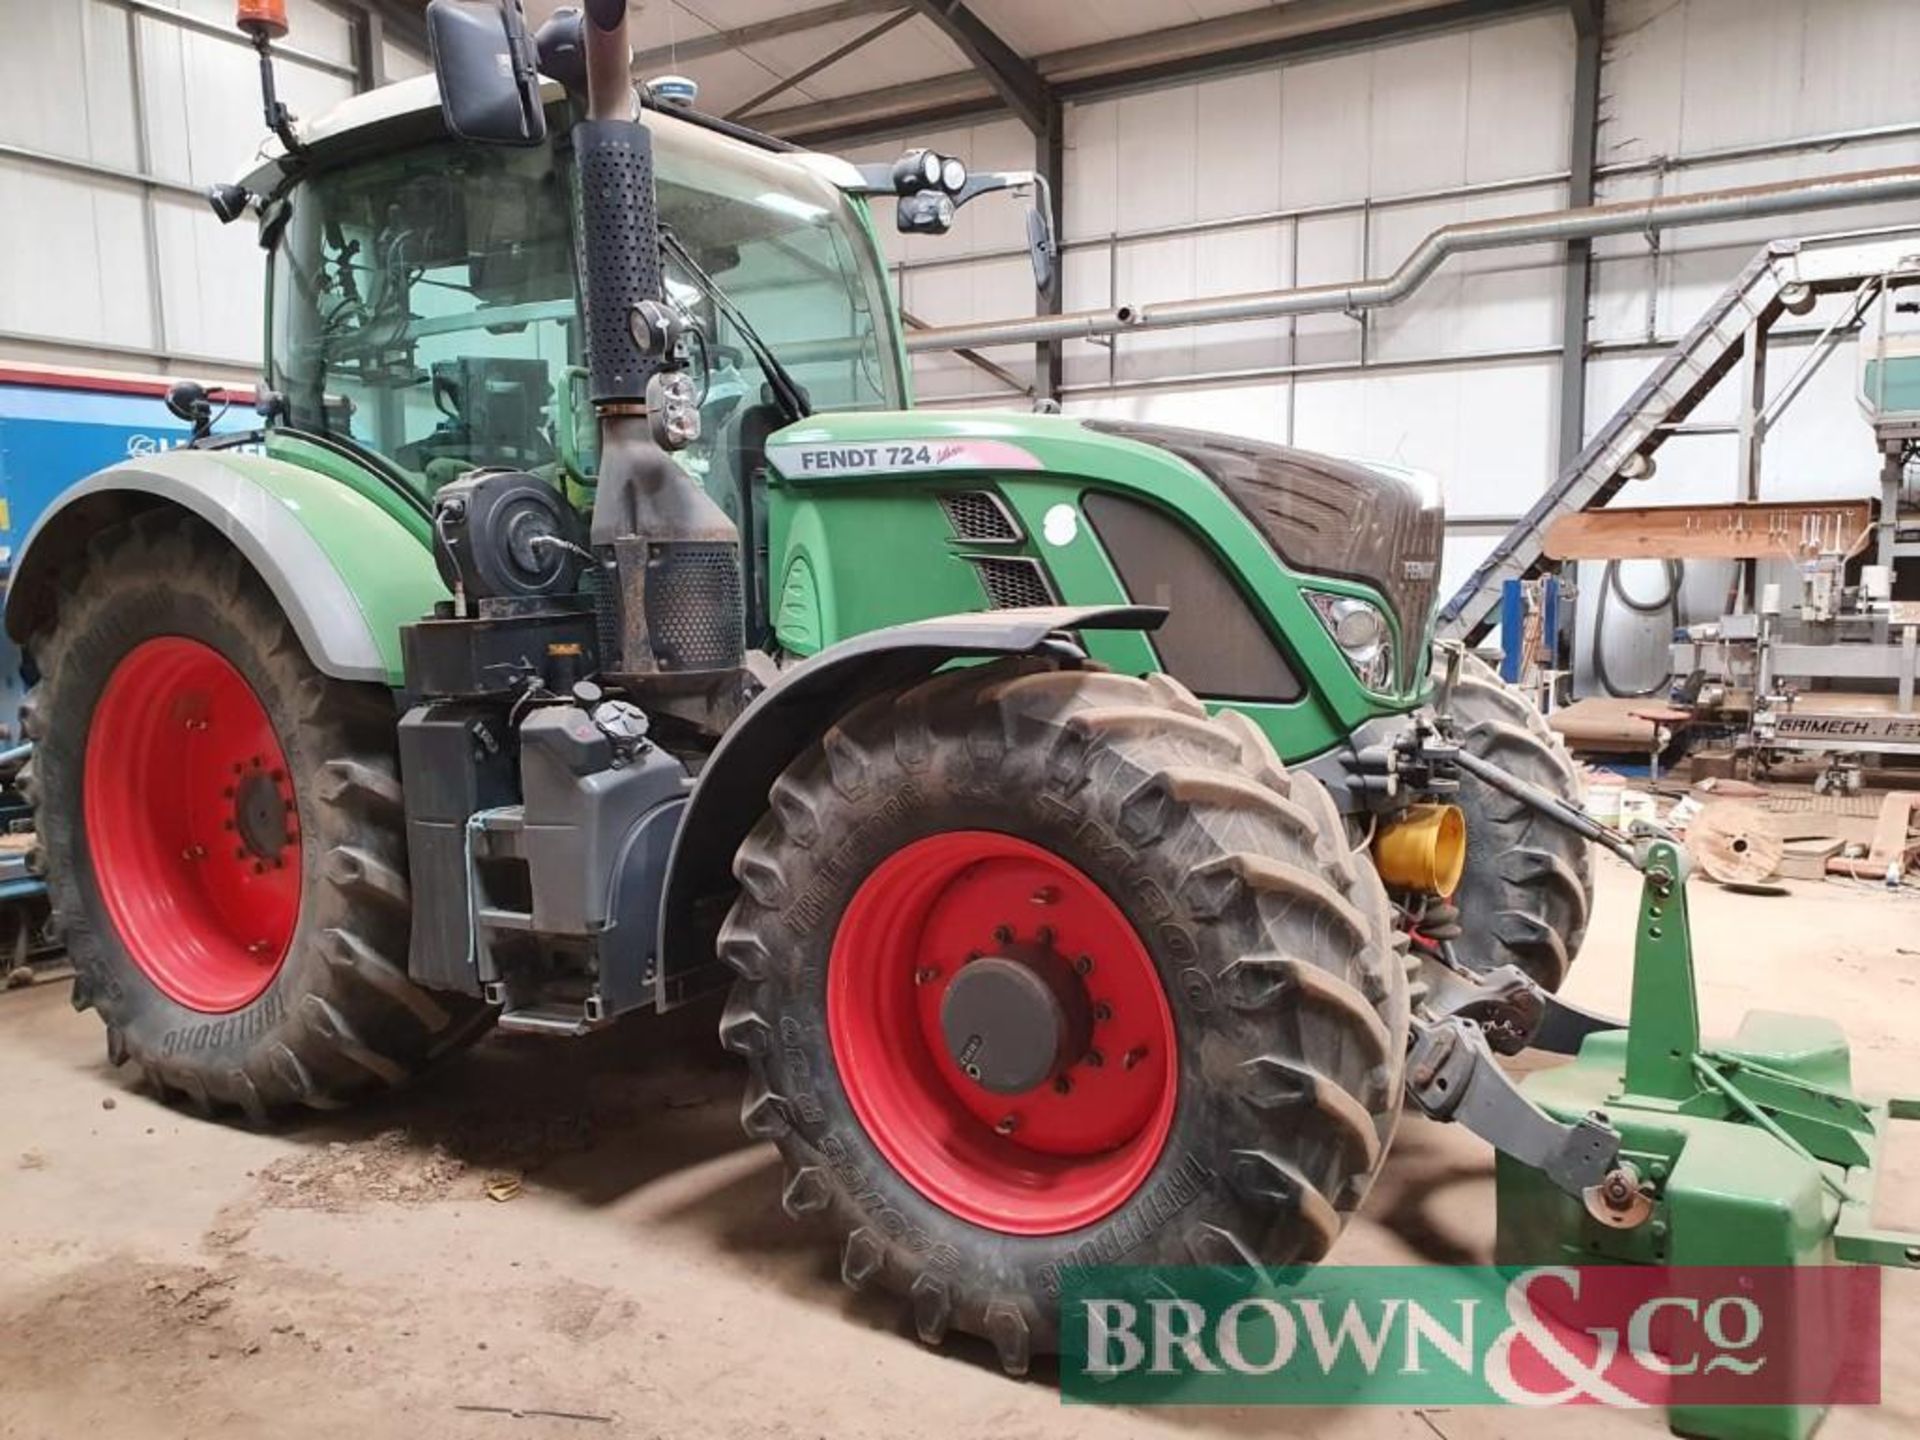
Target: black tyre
[221,831]
[1527,889]
[1092,854]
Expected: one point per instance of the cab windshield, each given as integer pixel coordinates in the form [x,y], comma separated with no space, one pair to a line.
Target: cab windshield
[425,309]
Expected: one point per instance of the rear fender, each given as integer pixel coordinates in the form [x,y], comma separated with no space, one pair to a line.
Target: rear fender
[796,710]
[347,572]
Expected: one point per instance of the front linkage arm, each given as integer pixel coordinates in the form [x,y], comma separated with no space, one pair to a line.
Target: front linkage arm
[1466,1015]
[1452,1075]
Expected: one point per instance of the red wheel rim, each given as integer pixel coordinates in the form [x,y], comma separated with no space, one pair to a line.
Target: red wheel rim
[1072,1153]
[191,824]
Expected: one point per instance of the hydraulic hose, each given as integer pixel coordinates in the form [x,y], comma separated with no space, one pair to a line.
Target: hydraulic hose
[1612,589]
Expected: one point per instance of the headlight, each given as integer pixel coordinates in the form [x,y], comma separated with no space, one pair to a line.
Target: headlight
[1360,630]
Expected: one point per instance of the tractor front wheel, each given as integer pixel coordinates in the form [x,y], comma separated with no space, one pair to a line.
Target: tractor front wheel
[1527,888]
[1042,968]
[221,830]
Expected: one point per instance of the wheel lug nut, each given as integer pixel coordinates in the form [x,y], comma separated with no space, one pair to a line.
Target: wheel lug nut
[1096,1059]
[1083,965]
[1045,936]
[925,974]
[1003,934]
[1062,1084]
[1045,895]
[1103,1011]
[1008,1124]
[1133,1057]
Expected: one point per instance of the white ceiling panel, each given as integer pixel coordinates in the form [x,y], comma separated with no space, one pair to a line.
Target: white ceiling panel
[913,51]
[667,26]
[728,80]
[737,14]
[1038,29]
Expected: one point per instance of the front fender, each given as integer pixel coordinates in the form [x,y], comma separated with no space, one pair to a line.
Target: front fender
[796,710]
[346,571]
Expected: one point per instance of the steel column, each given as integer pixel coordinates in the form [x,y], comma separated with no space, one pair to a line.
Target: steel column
[1050,159]
[1576,293]
[369,65]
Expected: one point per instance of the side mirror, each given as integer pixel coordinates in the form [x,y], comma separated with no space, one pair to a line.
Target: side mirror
[489,76]
[188,401]
[931,187]
[1041,249]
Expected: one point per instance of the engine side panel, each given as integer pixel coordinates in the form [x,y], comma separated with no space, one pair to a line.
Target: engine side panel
[864,535]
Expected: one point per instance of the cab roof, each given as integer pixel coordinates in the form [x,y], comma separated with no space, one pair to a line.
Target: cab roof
[415,105]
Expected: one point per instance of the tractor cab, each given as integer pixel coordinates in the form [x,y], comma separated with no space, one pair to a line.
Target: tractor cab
[426,295]
[425,312]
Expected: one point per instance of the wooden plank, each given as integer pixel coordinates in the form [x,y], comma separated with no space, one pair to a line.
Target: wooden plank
[1605,722]
[1893,842]
[1790,530]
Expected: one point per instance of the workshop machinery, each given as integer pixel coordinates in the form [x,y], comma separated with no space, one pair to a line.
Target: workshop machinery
[1817,653]
[1096,847]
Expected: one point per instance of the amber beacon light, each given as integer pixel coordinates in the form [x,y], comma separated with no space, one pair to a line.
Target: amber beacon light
[263,19]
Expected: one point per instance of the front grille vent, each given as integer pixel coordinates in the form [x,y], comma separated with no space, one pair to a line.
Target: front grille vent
[980,517]
[1013,584]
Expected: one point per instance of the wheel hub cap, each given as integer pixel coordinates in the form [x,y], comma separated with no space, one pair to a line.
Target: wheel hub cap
[260,812]
[1002,1033]
[1014,1020]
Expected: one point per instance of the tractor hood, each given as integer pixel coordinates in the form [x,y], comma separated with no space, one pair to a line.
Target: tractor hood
[1325,516]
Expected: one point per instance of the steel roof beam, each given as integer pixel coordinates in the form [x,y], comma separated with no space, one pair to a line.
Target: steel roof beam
[1249,38]
[1014,77]
[831,58]
[647,62]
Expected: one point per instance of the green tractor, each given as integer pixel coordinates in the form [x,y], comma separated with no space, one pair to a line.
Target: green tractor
[1079,811]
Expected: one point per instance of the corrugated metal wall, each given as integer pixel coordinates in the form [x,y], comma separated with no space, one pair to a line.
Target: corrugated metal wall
[113,117]
[1333,168]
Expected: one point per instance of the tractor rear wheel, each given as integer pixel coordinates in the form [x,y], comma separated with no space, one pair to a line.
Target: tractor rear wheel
[220,826]
[1043,967]
[1527,888]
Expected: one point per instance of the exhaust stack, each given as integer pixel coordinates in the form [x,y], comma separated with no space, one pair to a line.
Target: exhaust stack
[670,596]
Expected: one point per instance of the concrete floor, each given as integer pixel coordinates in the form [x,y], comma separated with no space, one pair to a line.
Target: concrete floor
[161,1276]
